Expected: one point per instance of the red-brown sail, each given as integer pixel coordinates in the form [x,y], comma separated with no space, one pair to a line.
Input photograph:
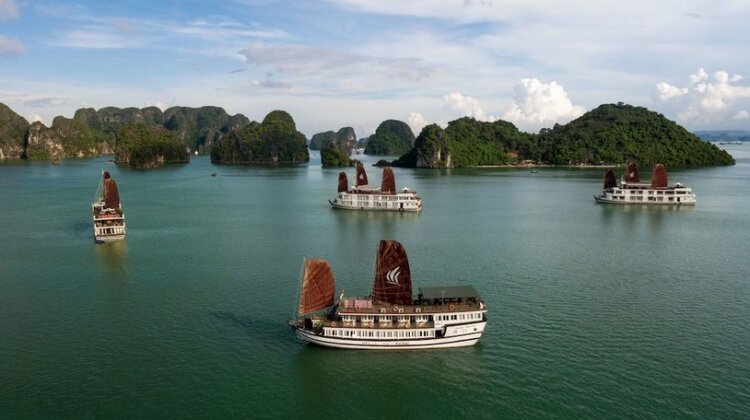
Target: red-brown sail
[632,174]
[609,180]
[361,175]
[659,177]
[392,275]
[343,182]
[111,196]
[388,184]
[318,286]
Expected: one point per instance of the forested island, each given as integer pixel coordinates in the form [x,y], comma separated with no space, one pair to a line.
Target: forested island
[335,147]
[144,146]
[273,141]
[610,134]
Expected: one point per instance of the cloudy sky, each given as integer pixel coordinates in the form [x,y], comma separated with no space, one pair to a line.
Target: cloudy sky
[335,63]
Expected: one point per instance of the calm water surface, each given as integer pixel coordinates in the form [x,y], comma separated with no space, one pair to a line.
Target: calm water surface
[595,311]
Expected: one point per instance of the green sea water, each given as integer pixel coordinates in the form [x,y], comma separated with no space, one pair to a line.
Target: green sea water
[595,311]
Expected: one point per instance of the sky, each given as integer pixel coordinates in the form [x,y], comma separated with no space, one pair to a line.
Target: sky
[338,63]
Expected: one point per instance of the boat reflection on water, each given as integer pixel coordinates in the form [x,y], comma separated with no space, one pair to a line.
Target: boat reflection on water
[112,258]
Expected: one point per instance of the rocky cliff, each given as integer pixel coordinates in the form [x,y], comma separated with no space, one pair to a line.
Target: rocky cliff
[91,132]
[12,133]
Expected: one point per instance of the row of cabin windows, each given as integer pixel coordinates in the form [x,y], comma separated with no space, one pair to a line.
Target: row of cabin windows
[458,317]
[419,318]
[669,192]
[382,334]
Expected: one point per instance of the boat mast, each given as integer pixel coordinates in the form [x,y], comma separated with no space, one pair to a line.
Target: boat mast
[295,310]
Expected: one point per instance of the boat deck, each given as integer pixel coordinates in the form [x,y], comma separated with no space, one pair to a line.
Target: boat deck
[425,309]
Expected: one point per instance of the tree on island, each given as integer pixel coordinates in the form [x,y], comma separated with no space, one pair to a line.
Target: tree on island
[144,147]
[392,137]
[275,140]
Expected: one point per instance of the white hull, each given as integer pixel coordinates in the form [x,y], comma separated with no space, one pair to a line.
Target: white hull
[643,194]
[335,205]
[110,238]
[401,202]
[460,335]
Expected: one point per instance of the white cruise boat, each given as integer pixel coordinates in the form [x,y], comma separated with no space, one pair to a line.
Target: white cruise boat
[632,191]
[362,196]
[390,318]
[109,218]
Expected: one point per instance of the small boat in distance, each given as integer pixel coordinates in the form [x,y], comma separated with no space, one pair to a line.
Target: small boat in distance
[362,196]
[632,191]
[109,218]
[390,318]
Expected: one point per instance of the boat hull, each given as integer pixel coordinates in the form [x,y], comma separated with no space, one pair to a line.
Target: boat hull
[605,200]
[459,335]
[335,205]
[109,238]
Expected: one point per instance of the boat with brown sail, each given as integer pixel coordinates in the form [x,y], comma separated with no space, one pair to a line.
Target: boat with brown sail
[390,318]
[362,196]
[108,216]
[632,191]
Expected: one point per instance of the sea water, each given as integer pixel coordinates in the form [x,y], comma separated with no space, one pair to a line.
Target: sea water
[595,311]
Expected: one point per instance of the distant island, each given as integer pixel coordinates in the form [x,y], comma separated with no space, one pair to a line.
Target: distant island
[273,141]
[392,137]
[609,134]
[723,135]
[335,148]
[143,146]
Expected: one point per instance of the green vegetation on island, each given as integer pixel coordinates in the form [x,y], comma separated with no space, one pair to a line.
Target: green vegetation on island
[392,137]
[142,146]
[335,148]
[93,133]
[622,133]
[275,140]
[609,134]
[12,133]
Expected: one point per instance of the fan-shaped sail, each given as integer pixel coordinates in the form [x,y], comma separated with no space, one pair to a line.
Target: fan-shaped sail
[343,182]
[111,196]
[609,180]
[392,275]
[361,175]
[389,181]
[632,174]
[317,286]
[659,177]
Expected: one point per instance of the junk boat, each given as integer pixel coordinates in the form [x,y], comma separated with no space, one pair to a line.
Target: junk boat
[109,219]
[362,196]
[390,318]
[632,191]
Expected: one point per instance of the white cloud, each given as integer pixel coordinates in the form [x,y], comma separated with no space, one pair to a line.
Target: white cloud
[537,104]
[707,100]
[741,115]
[10,47]
[99,37]
[8,9]
[468,106]
[416,122]
[32,100]
[34,117]
[666,91]
[329,71]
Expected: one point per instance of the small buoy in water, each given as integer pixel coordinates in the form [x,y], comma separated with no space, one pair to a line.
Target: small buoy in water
[196,153]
